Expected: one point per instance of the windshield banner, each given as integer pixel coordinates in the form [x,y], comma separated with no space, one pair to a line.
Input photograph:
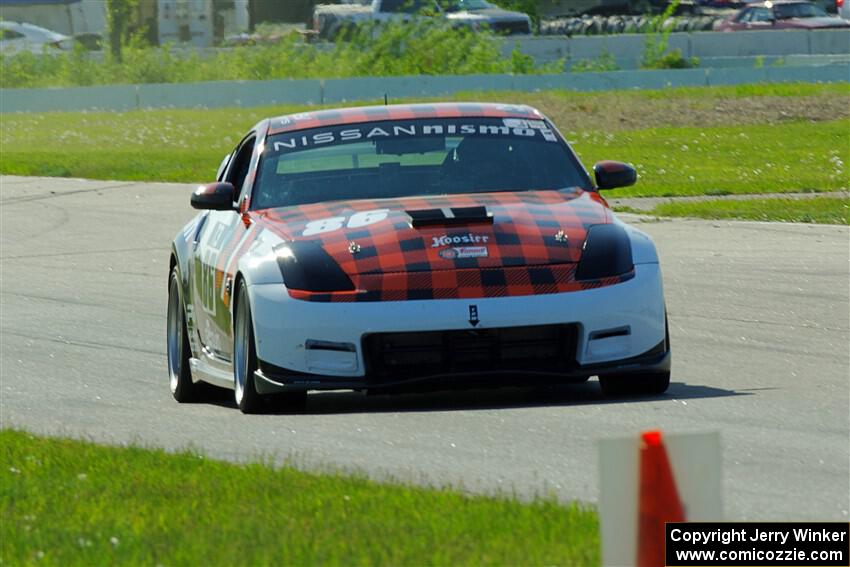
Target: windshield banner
[407,129]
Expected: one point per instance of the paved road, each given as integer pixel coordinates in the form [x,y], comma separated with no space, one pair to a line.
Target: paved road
[759,324]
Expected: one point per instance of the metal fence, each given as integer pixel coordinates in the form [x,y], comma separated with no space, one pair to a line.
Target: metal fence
[329,91]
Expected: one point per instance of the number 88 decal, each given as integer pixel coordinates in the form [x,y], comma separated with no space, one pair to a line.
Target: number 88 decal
[357,220]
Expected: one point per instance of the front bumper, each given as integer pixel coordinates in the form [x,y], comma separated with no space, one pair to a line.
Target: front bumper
[269,379]
[306,345]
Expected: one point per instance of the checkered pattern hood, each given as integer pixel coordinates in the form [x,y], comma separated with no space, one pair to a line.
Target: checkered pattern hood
[375,242]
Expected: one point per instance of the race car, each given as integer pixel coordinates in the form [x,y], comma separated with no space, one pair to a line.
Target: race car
[404,247]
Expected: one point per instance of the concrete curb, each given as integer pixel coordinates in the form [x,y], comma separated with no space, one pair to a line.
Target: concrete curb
[647,204]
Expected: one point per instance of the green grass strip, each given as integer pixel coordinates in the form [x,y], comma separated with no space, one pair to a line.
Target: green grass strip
[726,160]
[679,142]
[776,158]
[68,502]
[821,210]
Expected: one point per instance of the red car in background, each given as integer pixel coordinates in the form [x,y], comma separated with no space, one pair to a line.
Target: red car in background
[779,15]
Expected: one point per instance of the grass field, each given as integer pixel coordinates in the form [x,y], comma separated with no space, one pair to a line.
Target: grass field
[685,141]
[67,502]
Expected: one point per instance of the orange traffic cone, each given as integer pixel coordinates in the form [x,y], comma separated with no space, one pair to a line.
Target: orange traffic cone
[658,501]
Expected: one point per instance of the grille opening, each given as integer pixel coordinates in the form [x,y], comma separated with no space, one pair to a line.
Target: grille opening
[539,348]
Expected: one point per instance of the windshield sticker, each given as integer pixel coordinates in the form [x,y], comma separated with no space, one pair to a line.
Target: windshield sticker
[370,132]
[522,123]
[540,125]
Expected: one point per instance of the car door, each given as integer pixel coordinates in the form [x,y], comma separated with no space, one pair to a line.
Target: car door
[217,242]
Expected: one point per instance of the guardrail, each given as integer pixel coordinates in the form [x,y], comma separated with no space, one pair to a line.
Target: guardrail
[693,44]
[266,93]
[750,62]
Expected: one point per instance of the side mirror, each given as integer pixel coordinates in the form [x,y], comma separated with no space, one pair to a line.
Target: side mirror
[612,174]
[214,197]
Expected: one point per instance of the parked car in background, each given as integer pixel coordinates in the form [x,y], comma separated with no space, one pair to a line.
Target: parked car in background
[781,15]
[477,12]
[329,20]
[843,8]
[18,36]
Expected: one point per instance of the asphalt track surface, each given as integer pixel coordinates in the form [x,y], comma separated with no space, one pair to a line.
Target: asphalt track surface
[758,320]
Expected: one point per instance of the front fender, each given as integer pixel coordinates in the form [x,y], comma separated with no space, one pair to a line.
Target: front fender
[643,247]
[259,265]
[182,248]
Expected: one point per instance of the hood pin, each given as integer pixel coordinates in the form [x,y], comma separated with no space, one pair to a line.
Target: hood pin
[561,237]
[353,247]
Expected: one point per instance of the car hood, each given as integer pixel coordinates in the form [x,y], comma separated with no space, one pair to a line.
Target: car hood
[507,229]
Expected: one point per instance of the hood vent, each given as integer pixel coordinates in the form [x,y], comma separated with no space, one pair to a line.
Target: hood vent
[450,216]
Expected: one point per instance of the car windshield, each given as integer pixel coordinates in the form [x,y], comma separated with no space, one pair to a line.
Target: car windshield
[802,10]
[464,5]
[403,158]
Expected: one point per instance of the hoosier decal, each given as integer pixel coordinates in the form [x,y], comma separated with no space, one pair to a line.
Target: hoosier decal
[449,239]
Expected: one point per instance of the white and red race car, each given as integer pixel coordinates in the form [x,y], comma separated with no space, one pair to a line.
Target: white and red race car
[394,247]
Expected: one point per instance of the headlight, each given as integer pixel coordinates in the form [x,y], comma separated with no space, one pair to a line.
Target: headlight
[606,252]
[306,266]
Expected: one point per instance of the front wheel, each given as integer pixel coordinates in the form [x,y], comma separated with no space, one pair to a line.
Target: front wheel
[245,355]
[178,352]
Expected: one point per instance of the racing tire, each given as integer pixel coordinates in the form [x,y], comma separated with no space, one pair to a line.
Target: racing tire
[178,351]
[637,384]
[245,356]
